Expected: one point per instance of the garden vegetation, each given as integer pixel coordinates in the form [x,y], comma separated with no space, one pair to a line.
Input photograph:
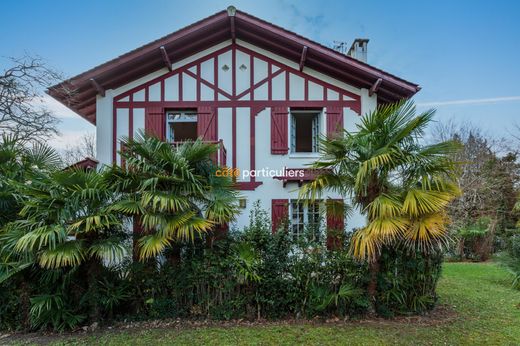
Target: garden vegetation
[69,259]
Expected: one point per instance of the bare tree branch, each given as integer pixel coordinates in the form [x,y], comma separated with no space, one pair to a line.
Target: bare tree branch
[22,111]
[86,147]
[489,177]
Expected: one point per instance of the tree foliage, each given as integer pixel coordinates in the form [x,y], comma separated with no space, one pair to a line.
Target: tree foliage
[173,193]
[402,185]
[489,180]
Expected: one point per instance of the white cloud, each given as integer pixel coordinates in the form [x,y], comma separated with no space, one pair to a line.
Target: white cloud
[55,107]
[469,101]
[68,139]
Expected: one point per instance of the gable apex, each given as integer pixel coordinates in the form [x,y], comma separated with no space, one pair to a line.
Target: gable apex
[230,24]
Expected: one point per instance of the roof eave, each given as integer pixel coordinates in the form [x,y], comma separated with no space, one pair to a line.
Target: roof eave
[213,30]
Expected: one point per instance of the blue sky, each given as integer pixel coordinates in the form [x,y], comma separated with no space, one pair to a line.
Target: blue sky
[464,54]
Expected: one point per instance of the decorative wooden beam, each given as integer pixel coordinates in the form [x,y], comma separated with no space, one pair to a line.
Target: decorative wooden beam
[375,87]
[231,11]
[232,28]
[166,58]
[303,57]
[98,87]
[88,109]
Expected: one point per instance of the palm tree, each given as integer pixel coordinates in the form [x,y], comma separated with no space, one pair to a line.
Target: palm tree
[171,192]
[61,219]
[20,162]
[400,184]
[66,221]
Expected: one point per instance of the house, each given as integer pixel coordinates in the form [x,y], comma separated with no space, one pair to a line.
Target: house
[263,94]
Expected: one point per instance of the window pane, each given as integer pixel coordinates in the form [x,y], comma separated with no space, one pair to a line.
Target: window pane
[297,218]
[184,131]
[293,134]
[305,218]
[315,133]
[181,126]
[314,213]
[304,132]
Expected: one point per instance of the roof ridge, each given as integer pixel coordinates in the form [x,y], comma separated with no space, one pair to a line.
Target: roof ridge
[326,47]
[215,29]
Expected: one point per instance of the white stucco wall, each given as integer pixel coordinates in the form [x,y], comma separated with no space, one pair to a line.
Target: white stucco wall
[270,188]
[104,128]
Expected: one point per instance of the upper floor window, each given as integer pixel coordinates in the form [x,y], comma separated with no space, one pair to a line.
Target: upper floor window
[305,131]
[181,126]
[304,217]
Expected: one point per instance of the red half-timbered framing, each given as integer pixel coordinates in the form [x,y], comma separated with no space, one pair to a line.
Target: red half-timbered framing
[256,95]
[253,65]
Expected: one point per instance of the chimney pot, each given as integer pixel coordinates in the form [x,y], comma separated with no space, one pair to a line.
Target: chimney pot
[358,50]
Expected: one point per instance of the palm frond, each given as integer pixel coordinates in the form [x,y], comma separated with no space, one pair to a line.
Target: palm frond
[45,236]
[420,201]
[109,251]
[365,246]
[428,232]
[152,245]
[66,254]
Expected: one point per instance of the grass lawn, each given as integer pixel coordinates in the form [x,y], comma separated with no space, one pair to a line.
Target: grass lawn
[486,311]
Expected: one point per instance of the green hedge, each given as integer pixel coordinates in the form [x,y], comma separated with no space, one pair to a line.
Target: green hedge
[250,274]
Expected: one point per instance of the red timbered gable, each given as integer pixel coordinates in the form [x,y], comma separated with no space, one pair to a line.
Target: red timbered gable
[236,76]
[232,77]
[263,94]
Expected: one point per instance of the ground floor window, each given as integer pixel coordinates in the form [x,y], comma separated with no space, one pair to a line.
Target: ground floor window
[181,126]
[304,218]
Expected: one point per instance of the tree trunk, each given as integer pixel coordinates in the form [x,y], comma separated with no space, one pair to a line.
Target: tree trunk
[373,268]
[174,255]
[93,270]
[137,233]
[25,302]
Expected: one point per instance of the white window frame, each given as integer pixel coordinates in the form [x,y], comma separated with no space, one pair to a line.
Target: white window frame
[301,210]
[178,116]
[316,132]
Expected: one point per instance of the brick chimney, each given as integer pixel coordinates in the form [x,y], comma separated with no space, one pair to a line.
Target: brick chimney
[358,50]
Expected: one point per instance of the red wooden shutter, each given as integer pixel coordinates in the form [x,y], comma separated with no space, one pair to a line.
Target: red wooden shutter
[279,212]
[155,122]
[207,123]
[279,123]
[334,121]
[335,223]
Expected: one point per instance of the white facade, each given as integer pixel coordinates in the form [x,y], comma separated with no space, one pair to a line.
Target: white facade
[228,77]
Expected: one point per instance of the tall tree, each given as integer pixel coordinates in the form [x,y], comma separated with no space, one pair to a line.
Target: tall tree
[489,177]
[22,112]
[402,186]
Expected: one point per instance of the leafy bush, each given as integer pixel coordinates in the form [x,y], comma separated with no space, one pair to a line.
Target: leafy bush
[53,310]
[11,311]
[475,241]
[250,273]
[254,273]
[510,257]
[407,281]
